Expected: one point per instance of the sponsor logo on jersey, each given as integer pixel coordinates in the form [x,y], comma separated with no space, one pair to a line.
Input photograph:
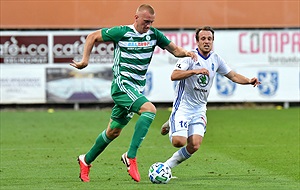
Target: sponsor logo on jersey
[139,44]
[203,80]
[200,89]
[178,65]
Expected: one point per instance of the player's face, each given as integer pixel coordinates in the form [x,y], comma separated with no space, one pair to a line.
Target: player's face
[143,21]
[205,43]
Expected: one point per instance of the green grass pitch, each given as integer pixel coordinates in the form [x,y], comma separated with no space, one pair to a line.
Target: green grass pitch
[249,149]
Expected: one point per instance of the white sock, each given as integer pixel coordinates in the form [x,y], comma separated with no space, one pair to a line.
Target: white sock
[81,157]
[178,157]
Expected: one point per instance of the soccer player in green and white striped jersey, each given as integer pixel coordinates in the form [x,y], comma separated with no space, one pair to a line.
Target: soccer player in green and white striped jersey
[133,49]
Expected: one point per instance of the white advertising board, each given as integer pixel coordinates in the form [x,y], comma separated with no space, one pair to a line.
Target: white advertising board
[22,84]
[277,85]
[256,48]
[35,66]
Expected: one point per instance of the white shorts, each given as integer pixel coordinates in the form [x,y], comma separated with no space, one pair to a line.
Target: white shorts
[187,122]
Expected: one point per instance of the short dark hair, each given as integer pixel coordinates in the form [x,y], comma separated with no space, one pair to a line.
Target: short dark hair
[206,28]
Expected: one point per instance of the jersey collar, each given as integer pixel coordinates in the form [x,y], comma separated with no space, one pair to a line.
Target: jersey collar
[202,55]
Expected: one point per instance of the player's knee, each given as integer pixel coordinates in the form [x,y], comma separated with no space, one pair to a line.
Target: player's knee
[193,148]
[113,133]
[114,129]
[148,107]
[178,143]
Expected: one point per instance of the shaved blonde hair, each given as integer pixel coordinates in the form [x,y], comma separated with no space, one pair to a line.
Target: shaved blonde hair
[147,7]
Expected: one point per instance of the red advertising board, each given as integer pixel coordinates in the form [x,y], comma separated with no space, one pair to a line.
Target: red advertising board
[24,49]
[68,48]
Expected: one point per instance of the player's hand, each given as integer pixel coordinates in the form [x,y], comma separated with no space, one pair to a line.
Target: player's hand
[192,55]
[254,81]
[79,65]
[203,71]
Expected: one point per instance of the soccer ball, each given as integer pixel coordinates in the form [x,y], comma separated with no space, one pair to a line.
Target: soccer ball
[159,173]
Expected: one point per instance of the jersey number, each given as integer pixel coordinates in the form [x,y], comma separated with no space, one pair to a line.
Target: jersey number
[183,124]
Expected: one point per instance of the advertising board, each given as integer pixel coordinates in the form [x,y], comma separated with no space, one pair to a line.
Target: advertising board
[35,67]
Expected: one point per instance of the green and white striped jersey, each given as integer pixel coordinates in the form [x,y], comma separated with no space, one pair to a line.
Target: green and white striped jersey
[133,52]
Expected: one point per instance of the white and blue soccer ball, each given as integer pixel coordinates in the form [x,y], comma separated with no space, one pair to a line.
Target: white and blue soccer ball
[159,173]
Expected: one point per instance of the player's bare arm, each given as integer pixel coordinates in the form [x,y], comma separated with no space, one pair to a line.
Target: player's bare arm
[179,51]
[88,46]
[183,74]
[240,79]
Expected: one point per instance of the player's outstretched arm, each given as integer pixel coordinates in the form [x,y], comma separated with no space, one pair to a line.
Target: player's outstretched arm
[240,79]
[88,46]
[179,51]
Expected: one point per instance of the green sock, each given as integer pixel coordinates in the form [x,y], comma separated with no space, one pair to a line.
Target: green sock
[101,143]
[141,128]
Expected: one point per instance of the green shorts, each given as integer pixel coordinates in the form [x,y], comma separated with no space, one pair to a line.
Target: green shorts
[128,100]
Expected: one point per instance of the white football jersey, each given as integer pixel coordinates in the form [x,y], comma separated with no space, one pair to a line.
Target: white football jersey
[193,91]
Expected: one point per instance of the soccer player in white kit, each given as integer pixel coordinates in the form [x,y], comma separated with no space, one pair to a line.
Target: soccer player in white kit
[187,123]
